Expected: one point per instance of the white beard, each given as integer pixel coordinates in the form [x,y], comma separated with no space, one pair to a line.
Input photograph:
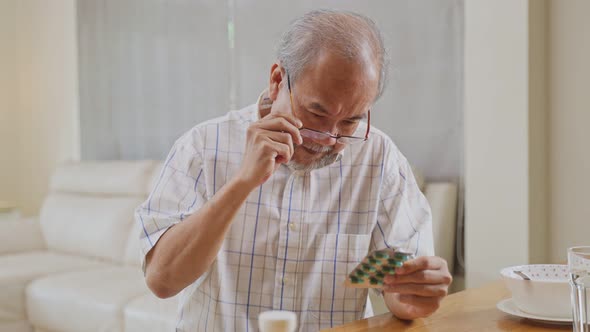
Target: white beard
[326,160]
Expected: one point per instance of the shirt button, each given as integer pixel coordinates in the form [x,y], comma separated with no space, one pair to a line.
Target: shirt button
[292,226]
[285,280]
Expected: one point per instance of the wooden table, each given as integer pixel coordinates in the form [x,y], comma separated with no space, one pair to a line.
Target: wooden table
[469,310]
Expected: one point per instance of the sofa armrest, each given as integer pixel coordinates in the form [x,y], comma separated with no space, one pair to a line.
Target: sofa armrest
[442,197]
[21,235]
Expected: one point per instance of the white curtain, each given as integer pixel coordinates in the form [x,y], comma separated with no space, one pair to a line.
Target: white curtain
[151,69]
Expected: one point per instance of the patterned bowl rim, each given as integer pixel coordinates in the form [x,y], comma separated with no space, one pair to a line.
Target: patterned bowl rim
[507,272]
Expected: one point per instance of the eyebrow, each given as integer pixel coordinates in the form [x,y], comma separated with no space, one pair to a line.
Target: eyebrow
[318,107]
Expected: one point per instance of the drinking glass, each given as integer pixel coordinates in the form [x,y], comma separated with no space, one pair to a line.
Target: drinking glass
[578,261]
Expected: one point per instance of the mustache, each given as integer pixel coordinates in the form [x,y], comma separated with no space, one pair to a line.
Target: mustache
[318,148]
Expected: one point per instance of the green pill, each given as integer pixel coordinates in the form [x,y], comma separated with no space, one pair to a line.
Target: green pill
[401,256]
[386,268]
[379,275]
[355,280]
[368,267]
[361,273]
[398,264]
[381,255]
[375,281]
[374,261]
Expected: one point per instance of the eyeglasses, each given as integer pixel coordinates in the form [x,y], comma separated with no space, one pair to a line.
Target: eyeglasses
[324,135]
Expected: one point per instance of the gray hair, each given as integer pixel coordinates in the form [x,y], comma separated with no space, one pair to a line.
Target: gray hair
[344,32]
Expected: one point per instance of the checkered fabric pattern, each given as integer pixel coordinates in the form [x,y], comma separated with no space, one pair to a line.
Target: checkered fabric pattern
[297,236]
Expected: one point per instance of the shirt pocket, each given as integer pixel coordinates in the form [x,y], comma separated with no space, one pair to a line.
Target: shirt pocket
[329,301]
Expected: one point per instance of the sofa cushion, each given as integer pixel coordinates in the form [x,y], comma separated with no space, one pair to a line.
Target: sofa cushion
[149,313]
[104,177]
[420,180]
[84,301]
[133,255]
[94,226]
[18,270]
[442,197]
[21,235]
[133,249]
[154,178]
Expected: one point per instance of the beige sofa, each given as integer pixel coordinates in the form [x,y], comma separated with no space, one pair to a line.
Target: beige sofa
[76,268]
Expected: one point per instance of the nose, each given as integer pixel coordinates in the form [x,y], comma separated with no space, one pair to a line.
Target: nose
[327,140]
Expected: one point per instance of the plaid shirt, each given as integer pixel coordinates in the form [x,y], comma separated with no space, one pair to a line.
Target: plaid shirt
[296,237]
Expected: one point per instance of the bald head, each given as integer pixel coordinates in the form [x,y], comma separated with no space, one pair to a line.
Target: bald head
[348,35]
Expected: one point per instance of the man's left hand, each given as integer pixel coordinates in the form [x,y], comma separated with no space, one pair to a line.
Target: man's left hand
[418,287]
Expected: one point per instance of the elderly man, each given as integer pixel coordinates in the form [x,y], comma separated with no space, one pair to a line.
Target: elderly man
[269,207]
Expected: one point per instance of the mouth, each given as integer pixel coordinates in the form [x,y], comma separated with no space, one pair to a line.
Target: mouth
[316,150]
[309,151]
[312,157]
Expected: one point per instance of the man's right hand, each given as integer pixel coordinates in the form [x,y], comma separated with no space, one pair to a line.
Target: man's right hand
[270,142]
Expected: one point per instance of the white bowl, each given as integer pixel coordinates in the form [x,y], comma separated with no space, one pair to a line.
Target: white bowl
[547,294]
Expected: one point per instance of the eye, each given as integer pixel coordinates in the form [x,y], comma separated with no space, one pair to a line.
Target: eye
[315,115]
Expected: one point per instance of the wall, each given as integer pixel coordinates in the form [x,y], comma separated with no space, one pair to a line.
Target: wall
[43,114]
[527,111]
[496,137]
[149,71]
[538,133]
[8,101]
[569,54]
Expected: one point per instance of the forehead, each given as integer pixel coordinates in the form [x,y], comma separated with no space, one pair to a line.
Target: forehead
[341,86]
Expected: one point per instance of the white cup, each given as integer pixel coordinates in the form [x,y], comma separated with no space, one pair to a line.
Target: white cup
[277,321]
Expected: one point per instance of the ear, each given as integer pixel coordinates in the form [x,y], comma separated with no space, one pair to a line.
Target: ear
[276,77]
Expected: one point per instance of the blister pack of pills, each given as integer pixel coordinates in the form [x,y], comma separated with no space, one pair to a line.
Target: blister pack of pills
[371,271]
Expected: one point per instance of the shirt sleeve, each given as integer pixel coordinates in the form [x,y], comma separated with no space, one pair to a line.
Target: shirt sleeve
[179,191]
[404,218]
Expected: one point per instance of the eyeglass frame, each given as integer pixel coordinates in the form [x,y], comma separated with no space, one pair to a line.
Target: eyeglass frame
[357,139]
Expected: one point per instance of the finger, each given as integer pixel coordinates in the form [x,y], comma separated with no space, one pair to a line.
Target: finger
[425,290]
[283,138]
[279,152]
[419,301]
[289,117]
[420,263]
[281,124]
[418,277]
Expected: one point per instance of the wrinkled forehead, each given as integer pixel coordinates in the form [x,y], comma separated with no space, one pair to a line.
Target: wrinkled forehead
[334,100]
[338,84]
